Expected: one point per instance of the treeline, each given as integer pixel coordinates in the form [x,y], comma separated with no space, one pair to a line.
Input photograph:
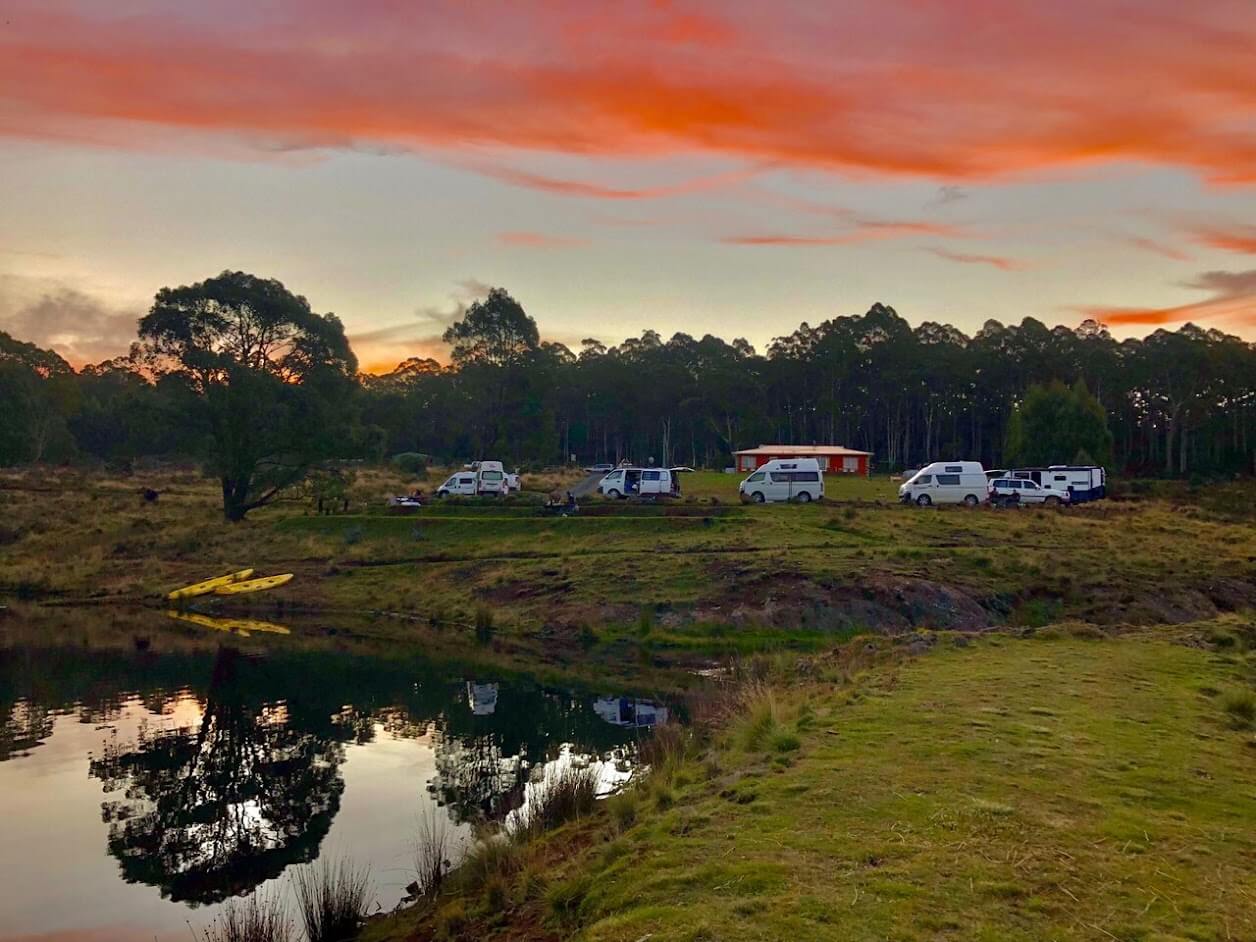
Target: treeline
[1176,402]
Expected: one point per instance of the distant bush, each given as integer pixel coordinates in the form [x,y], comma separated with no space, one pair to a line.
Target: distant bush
[410,462]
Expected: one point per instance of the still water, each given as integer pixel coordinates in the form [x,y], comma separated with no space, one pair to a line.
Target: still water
[139,789]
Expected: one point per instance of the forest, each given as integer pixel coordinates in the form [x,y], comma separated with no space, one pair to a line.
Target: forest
[239,366]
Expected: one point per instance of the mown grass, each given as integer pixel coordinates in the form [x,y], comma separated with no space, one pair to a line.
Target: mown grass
[1056,788]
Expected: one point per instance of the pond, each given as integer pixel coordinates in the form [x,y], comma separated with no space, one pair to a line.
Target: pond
[139,789]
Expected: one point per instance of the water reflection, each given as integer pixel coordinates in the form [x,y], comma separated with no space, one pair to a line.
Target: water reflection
[209,811]
[220,769]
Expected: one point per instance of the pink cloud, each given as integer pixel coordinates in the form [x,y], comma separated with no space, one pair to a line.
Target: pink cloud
[864,231]
[996,261]
[538,240]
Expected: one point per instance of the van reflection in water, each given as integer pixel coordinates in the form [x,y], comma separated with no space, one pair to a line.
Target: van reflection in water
[626,711]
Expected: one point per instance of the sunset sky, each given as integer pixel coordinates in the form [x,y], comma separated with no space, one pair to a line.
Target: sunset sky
[710,167]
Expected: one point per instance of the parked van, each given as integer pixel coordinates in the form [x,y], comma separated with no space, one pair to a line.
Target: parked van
[479,477]
[947,482]
[462,484]
[1082,482]
[781,479]
[641,482]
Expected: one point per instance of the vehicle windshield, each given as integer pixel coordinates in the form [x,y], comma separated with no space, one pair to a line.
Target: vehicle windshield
[755,478]
[922,479]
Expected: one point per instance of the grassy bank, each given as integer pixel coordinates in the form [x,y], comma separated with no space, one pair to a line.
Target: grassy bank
[1169,554]
[1059,787]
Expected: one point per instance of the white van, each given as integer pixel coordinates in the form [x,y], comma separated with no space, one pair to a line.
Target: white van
[640,482]
[462,484]
[947,482]
[797,479]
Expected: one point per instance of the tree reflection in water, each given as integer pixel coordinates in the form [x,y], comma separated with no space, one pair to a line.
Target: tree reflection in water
[210,812]
[251,784]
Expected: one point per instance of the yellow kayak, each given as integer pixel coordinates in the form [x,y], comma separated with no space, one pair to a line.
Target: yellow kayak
[253,585]
[241,626]
[209,585]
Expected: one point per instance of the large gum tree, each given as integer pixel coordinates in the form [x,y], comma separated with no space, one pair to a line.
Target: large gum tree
[274,379]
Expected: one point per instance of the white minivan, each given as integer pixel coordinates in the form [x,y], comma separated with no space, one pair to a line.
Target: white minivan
[649,483]
[780,479]
[947,482]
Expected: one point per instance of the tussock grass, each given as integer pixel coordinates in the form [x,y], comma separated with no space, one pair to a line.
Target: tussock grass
[568,795]
[332,900]
[434,848]
[258,918]
[1240,707]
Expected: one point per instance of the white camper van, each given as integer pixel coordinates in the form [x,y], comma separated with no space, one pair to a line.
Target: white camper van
[947,482]
[480,477]
[780,479]
[641,482]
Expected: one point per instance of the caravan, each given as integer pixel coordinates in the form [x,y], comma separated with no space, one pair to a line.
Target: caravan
[782,479]
[1081,482]
[947,482]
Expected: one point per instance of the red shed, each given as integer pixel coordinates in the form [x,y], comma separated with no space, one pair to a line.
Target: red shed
[833,458]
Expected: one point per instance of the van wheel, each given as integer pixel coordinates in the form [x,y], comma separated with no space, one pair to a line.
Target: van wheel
[923,500]
[971,500]
[613,494]
[757,497]
[804,497]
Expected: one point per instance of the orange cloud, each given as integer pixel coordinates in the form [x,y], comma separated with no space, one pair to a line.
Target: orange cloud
[1232,299]
[1240,239]
[538,181]
[538,240]
[1159,248]
[865,231]
[996,261]
[964,90]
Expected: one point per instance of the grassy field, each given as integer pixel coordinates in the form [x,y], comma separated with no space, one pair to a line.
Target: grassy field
[1052,788]
[885,767]
[859,562]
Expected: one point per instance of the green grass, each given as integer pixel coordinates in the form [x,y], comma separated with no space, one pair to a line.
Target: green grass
[711,578]
[1010,789]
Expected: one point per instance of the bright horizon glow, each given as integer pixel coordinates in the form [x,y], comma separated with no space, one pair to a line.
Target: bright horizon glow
[700,167]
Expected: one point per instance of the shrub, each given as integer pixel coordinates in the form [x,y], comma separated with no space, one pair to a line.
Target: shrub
[332,900]
[410,462]
[255,919]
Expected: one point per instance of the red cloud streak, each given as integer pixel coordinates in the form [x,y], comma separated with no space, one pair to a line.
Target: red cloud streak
[865,231]
[968,89]
[538,240]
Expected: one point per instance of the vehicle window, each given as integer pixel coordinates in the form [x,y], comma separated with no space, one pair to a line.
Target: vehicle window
[954,468]
[1031,486]
[807,476]
[948,480]
[1014,484]
[615,476]
[1061,477]
[650,476]
[466,480]
[755,478]
[924,479]
[1002,482]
